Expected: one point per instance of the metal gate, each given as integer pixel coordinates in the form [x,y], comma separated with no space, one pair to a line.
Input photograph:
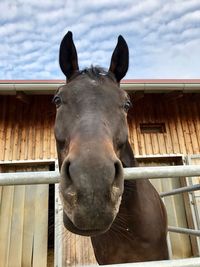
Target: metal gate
[129,173]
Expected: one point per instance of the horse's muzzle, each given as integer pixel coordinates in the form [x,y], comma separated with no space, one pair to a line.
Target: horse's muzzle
[91,195]
[69,225]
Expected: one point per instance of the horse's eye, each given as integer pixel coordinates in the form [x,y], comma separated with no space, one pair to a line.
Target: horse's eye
[57,100]
[127,105]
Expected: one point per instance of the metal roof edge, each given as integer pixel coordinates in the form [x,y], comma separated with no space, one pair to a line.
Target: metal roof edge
[147,86]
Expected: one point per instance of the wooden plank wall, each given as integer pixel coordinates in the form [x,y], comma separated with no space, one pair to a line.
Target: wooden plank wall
[26,133]
[77,250]
[181,118]
[26,130]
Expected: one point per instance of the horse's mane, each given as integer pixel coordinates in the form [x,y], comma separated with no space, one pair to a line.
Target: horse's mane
[96,72]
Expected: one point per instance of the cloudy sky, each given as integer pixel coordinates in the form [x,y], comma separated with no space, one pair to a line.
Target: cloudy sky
[163,36]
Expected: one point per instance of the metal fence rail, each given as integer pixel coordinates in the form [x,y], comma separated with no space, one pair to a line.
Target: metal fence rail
[183,189]
[51,177]
[191,262]
[23,178]
[162,172]
[182,230]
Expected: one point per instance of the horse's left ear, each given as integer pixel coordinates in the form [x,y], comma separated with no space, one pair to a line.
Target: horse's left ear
[127,157]
[120,59]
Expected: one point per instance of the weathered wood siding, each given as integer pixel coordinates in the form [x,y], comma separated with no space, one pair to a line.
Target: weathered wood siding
[182,121]
[26,130]
[23,222]
[26,133]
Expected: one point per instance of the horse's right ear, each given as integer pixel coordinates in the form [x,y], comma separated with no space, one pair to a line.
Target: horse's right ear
[120,59]
[68,56]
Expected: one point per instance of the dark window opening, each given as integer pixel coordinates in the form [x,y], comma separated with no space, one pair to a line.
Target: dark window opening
[51,218]
[152,128]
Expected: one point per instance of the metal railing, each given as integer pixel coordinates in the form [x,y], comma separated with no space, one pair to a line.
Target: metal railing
[191,262]
[51,177]
[183,189]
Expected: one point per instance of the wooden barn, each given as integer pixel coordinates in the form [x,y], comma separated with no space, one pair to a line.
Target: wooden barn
[164,129]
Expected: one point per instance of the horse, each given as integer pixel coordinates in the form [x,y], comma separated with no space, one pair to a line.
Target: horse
[126,220]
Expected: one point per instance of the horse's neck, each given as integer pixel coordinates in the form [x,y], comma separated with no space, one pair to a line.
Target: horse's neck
[140,204]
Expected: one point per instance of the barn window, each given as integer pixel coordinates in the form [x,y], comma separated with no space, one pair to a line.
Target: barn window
[152,128]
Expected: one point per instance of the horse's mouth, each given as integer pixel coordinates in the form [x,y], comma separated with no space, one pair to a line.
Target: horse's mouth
[84,232]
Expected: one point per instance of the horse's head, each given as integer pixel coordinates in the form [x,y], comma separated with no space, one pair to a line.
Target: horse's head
[91,134]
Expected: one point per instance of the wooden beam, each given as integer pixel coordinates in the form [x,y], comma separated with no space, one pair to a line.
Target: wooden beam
[195,97]
[137,95]
[23,97]
[172,96]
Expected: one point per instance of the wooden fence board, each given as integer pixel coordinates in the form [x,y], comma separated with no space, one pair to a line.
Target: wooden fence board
[28,230]
[5,224]
[40,227]
[17,223]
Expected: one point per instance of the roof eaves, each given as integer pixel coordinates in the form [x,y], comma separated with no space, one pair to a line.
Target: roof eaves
[147,86]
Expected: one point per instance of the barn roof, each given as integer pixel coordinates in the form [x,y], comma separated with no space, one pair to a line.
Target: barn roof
[132,85]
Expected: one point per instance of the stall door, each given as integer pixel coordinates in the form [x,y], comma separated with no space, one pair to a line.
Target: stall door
[193,200]
[23,222]
[179,244]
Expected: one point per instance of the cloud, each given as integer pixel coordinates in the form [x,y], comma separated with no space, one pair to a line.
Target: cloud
[163,37]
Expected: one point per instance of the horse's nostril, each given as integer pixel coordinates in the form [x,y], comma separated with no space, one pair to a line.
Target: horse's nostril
[118,170]
[118,179]
[117,185]
[66,171]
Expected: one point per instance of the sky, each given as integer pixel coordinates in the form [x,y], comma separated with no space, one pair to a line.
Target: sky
[163,36]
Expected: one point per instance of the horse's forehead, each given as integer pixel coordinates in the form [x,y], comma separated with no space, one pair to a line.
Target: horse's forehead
[92,87]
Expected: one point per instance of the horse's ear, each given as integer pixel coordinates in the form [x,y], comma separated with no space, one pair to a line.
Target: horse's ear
[68,56]
[120,59]
[127,157]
